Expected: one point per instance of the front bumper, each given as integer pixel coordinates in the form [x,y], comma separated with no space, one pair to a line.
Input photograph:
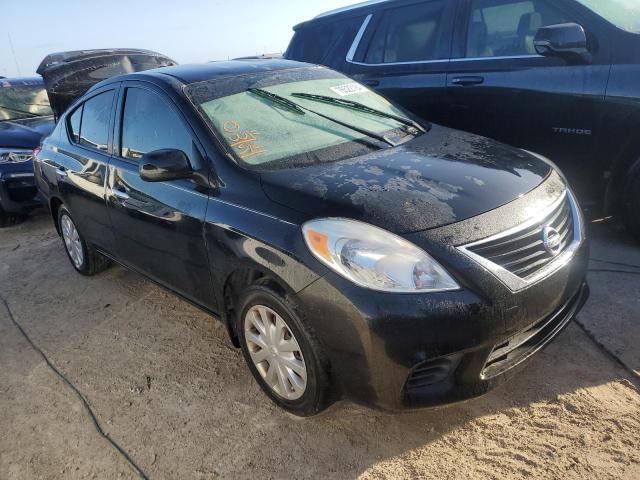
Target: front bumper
[428,350]
[18,193]
[400,351]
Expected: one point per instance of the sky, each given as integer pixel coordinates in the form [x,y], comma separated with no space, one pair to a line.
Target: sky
[188,31]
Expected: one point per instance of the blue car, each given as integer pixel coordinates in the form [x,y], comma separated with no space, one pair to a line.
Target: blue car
[25,118]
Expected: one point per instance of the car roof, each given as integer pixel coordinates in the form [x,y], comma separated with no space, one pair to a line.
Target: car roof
[194,73]
[16,81]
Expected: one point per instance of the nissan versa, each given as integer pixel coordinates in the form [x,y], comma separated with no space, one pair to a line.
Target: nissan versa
[353,250]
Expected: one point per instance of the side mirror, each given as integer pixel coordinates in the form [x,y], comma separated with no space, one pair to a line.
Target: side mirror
[163,165]
[563,40]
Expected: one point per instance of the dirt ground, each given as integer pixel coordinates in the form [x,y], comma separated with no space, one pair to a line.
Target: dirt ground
[168,387]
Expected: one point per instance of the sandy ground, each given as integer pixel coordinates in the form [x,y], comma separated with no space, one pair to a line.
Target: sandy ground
[168,387]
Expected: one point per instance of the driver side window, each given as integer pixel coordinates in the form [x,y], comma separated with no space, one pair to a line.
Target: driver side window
[505,28]
[149,123]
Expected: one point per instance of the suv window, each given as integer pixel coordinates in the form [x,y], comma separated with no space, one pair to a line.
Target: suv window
[316,43]
[408,34]
[94,127]
[504,28]
[149,123]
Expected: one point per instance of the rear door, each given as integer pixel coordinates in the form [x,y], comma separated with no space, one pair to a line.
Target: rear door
[158,225]
[80,165]
[402,51]
[501,88]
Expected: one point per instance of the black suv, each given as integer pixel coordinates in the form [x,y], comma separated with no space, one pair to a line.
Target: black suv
[559,77]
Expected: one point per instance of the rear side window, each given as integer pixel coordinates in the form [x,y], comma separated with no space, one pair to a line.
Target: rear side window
[501,28]
[94,126]
[408,34]
[149,124]
[324,42]
[74,124]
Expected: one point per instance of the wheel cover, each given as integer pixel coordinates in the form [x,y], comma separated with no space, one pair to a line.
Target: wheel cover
[72,241]
[275,352]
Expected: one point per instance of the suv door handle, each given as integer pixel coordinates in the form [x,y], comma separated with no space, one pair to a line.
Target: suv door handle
[467,81]
[371,83]
[62,171]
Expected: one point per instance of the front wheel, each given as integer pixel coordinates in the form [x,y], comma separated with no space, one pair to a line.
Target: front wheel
[631,207]
[83,258]
[282,355]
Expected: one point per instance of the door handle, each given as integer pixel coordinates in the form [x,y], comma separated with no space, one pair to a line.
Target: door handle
[62,171]
[467,81]
[371,83]
[120,195]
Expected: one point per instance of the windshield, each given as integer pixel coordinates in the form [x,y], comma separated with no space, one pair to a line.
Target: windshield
[624,14]
[263,132]
[23,101]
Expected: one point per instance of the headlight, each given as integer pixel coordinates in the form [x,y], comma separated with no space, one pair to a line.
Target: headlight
[374,258]
[15,155]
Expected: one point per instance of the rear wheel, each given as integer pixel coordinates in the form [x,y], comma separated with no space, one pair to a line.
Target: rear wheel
[83,258]
[282,355]
[631,207]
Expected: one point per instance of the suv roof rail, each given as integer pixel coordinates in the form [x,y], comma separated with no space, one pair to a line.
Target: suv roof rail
[350,7]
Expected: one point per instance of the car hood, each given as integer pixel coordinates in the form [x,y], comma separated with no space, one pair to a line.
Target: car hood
[442,177]
[25,133]
[68,75]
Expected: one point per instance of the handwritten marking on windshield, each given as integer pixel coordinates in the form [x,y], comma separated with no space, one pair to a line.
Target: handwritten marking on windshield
[243,142]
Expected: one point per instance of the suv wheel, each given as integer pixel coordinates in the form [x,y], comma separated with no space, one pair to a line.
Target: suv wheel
[281,354]
[83,258]
[631,207]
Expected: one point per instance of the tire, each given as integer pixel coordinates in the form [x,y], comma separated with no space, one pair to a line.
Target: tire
[10,219]
[314,398]
[631,202]
[83,257]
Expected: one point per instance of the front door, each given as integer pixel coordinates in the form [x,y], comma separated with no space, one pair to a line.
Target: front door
[403,51]
[500,87]
[158,225]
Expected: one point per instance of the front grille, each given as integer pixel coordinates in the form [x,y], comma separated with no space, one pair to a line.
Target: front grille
[523,252]
[524,344]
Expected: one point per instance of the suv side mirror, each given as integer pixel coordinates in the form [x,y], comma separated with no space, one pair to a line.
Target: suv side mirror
[562,40]
[163,165]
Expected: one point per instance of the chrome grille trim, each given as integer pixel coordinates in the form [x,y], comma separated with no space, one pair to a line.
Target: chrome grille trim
[551,214]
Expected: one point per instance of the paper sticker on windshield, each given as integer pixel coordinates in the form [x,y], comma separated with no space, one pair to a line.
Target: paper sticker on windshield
[348,89]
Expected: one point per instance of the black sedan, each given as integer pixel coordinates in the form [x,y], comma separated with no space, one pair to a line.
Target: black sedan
[351,249]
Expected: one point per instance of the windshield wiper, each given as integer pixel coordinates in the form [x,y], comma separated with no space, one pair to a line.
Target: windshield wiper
[300,110]
[287,104]
[360,107]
